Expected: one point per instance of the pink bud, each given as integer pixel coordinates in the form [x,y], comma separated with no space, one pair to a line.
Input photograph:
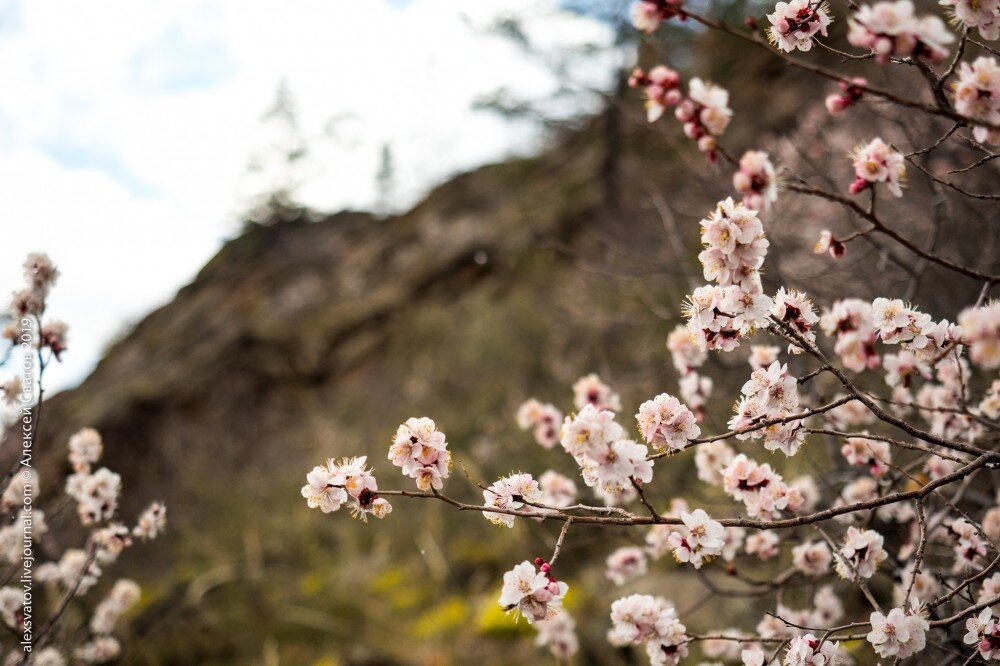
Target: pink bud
[539,561]
[684,111]
[673,97]
[836,103]
[707,144]
[546,567]
[859,185]
[693,131]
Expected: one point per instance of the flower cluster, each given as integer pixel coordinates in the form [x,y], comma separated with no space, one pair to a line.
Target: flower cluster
[700,541]
[641,619]
[763,491]
[890,28]
[421,451]
[795,23]
[977,95]
[850,322]
[661,87]
[861,554]
[794,309]
[510,493]
[607,458]
[807,650]
[874,454]
[590,390]
[984,632]
[915,331]
[532,592]
[897,634]
[347,481]
[666,423]
[770,394]
[877,162]
[542,419]
[735,246]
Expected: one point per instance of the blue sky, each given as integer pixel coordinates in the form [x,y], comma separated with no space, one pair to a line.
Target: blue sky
[126,125]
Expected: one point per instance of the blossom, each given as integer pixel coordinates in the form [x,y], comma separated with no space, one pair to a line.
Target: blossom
[590,390]
[735,246]
[542,419]
[53,336]
[984,633]
[897,634]
[669,645]
[861,554]
[700,542]
[626,564]
[863,451]
[695,389]
[891,29]
[84,449]
[96,494]
[762,356]
[590,431]
[756,180]
[763,492]
[982,14]
[970,547]
[773,389]
[807,651]
[123,596]
[826,243]
[877,162]
[981,332]
[421,451]
[77,568]
[532,593]
[638,617]
[347,481]
[720,317]
[850,320]
[762,544]
[647,15]
[98,650]
[49,656]
[152,521]
[684,352]
[795,23]
[705,113]
[558,490]
[795,310]
[666,423]
[812,558]
[512,492]
[558,633]
[990,404]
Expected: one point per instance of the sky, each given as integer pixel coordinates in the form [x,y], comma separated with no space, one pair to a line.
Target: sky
[126,126]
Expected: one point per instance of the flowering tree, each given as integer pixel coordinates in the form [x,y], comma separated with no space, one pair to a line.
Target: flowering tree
[41,599]
[914,411]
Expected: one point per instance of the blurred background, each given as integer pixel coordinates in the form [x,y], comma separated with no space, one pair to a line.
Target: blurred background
[285,227]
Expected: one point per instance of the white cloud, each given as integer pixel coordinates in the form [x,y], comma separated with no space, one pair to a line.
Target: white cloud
[125,125]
